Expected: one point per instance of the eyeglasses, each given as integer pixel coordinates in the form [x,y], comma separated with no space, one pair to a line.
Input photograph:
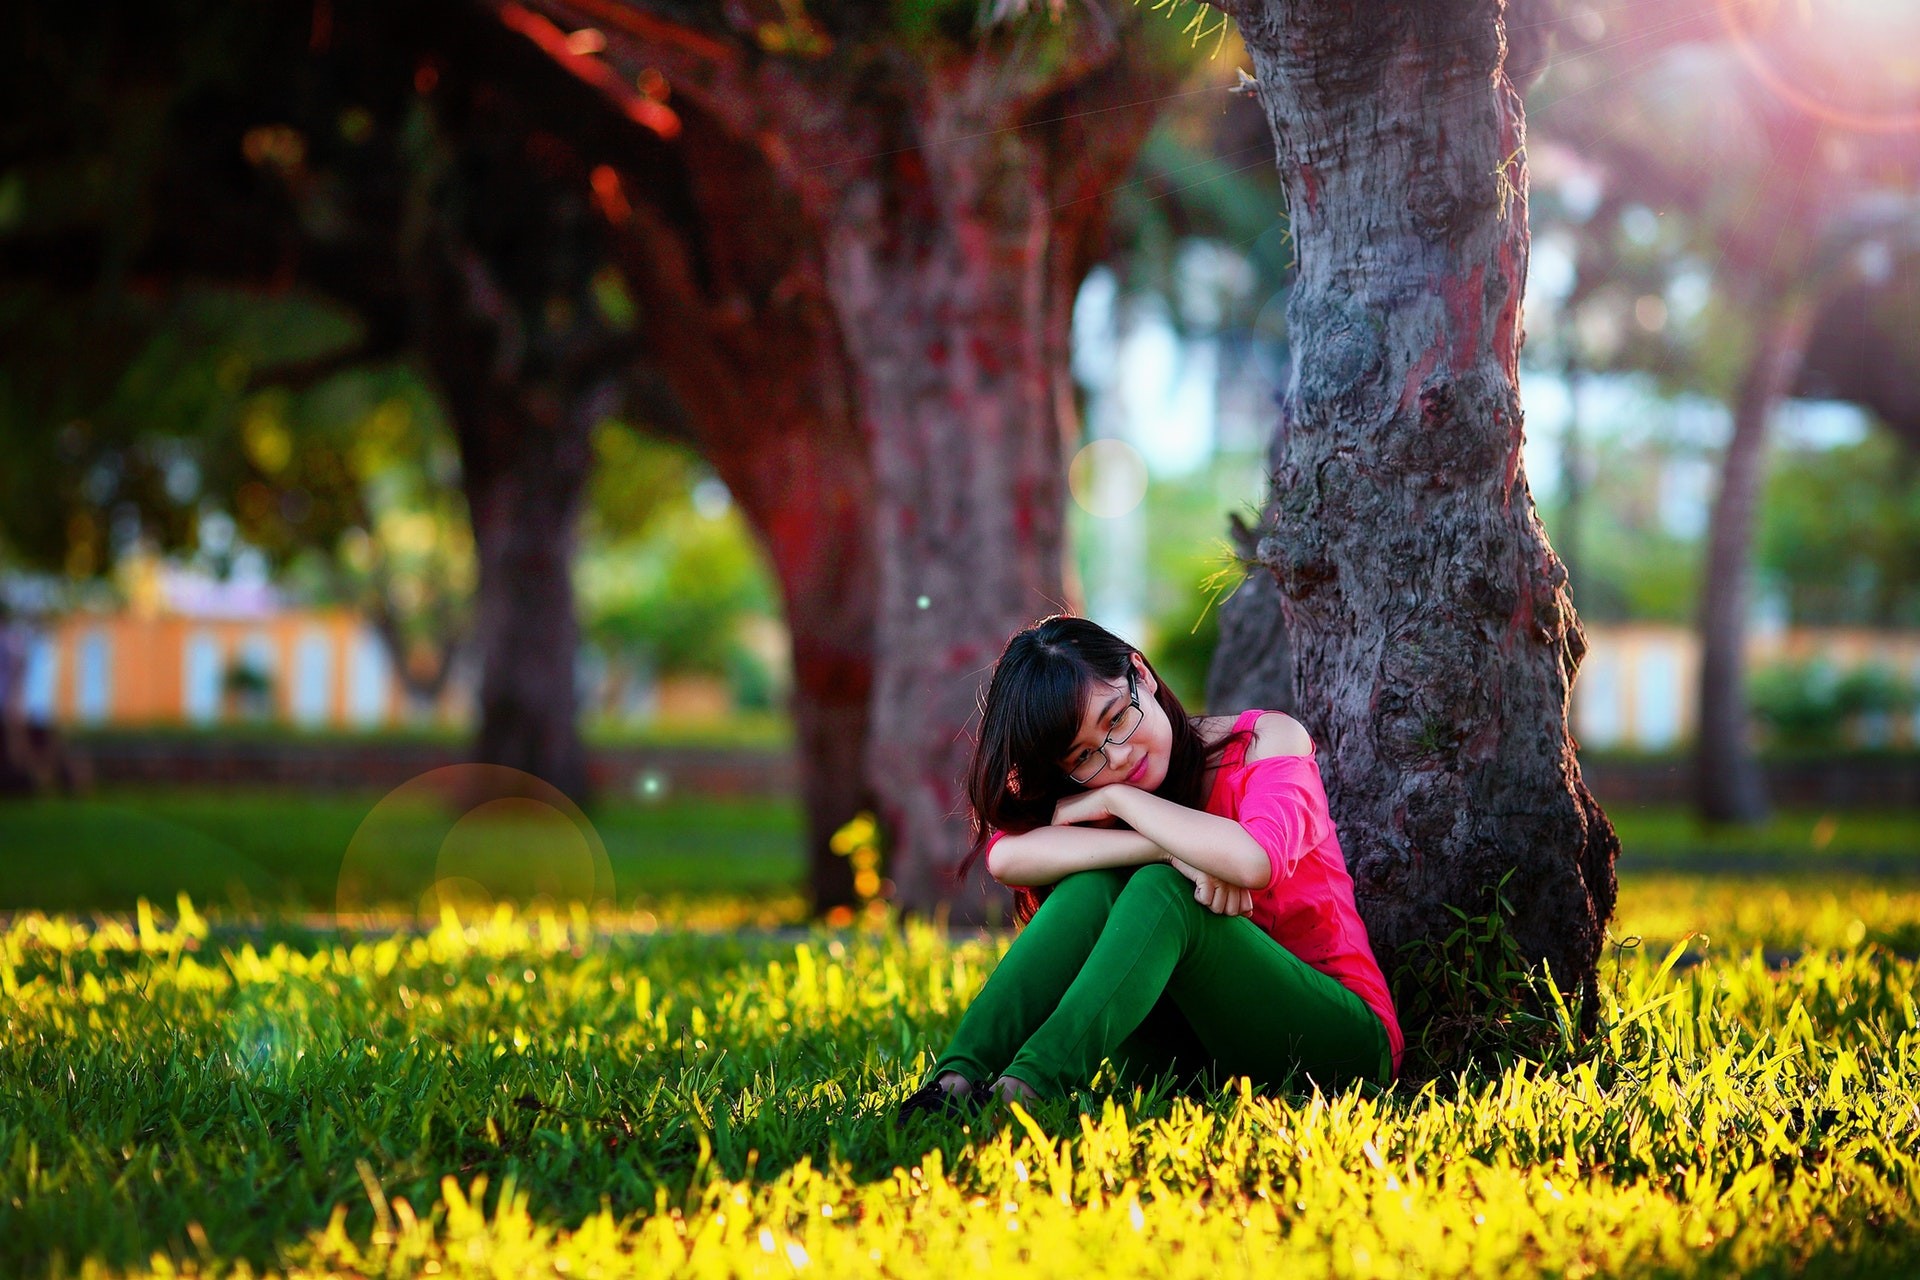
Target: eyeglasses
[1090,766]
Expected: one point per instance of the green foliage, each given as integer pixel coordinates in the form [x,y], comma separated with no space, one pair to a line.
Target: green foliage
[1471,998]
[949,22]
[1631,565]
[661,577]
[123,416]
[1810,704]
[1796,702]
[635,480]
[522,1095]
[1185,638]
[1840,533]
[676,596]
[1185,560]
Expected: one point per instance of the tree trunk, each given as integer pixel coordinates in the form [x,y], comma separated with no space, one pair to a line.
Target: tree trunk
[808,493]
[930,224]
[752,356]
[1727,779]
[526,481]
[1434,641]
[956,291]
[953,329]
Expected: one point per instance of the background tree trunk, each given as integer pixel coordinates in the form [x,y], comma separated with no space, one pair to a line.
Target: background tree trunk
[1434,641]
[810,496]
[751,353]
[957,290]
[503,307]
[1727,776]
[924,228]
[955,326]
[525,480]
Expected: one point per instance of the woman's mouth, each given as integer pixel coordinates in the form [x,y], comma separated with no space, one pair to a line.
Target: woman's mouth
[1139,772]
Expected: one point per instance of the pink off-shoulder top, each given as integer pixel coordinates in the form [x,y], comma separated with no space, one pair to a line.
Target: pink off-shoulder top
[1307,906]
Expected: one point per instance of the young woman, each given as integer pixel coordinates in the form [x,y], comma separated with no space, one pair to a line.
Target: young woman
[1194,913]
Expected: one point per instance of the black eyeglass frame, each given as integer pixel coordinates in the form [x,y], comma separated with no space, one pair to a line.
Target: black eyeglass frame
[1140,716]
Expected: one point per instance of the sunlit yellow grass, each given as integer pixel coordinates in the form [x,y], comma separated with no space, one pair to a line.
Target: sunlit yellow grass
[556,1095]
[1808,912]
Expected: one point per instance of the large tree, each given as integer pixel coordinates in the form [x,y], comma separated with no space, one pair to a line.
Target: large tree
[850,246]
[861,257]
[1433,638]
[410,165]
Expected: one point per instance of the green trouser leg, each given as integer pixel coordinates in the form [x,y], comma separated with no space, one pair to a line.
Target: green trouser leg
[1040,965]
[1251,1005]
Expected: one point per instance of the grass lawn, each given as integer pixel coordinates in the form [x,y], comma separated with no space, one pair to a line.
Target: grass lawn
[285,851]
[519,1094]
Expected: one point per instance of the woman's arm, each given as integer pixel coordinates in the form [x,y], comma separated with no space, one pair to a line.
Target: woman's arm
[1047,854]
[1218,846]
[1223,848]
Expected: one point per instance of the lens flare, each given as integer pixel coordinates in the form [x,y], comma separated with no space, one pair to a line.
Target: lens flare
[1849,63]
[469,836]
[1108,478]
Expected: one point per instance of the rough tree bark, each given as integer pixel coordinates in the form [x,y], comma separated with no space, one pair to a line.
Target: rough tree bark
[1727,778]
[525,470]
[749,349]
[1434,641]
[957,312]
[949,202]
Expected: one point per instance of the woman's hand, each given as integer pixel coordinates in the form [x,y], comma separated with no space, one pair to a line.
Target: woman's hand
[1089,808]
[1214,894]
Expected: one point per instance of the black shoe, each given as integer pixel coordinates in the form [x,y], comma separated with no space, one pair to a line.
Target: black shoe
[930,1099]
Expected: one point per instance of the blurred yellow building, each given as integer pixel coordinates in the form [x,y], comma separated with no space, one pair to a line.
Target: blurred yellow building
[327,669]
[311,668]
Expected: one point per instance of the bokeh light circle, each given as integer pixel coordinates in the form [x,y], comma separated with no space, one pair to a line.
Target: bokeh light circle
[470,836]
[1108,478]
[1844,29]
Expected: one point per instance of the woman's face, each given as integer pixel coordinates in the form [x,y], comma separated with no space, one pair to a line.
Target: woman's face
[1140,761]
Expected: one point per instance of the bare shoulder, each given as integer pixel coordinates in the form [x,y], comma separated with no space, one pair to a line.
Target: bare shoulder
[1278,734]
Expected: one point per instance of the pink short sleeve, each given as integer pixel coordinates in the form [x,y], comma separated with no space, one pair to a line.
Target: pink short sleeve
[1285,810]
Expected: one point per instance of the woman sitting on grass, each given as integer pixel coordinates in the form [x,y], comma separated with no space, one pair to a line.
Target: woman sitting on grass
[1194,913]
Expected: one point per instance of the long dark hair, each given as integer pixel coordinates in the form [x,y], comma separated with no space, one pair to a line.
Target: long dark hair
[1031,714]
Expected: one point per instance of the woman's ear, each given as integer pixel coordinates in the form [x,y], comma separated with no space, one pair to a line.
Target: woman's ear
[1148,685]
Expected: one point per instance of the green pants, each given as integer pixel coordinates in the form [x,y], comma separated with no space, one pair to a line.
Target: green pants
[1122,965]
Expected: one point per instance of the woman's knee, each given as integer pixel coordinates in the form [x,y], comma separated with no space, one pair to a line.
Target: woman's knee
[1101,883]
[1159,880]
